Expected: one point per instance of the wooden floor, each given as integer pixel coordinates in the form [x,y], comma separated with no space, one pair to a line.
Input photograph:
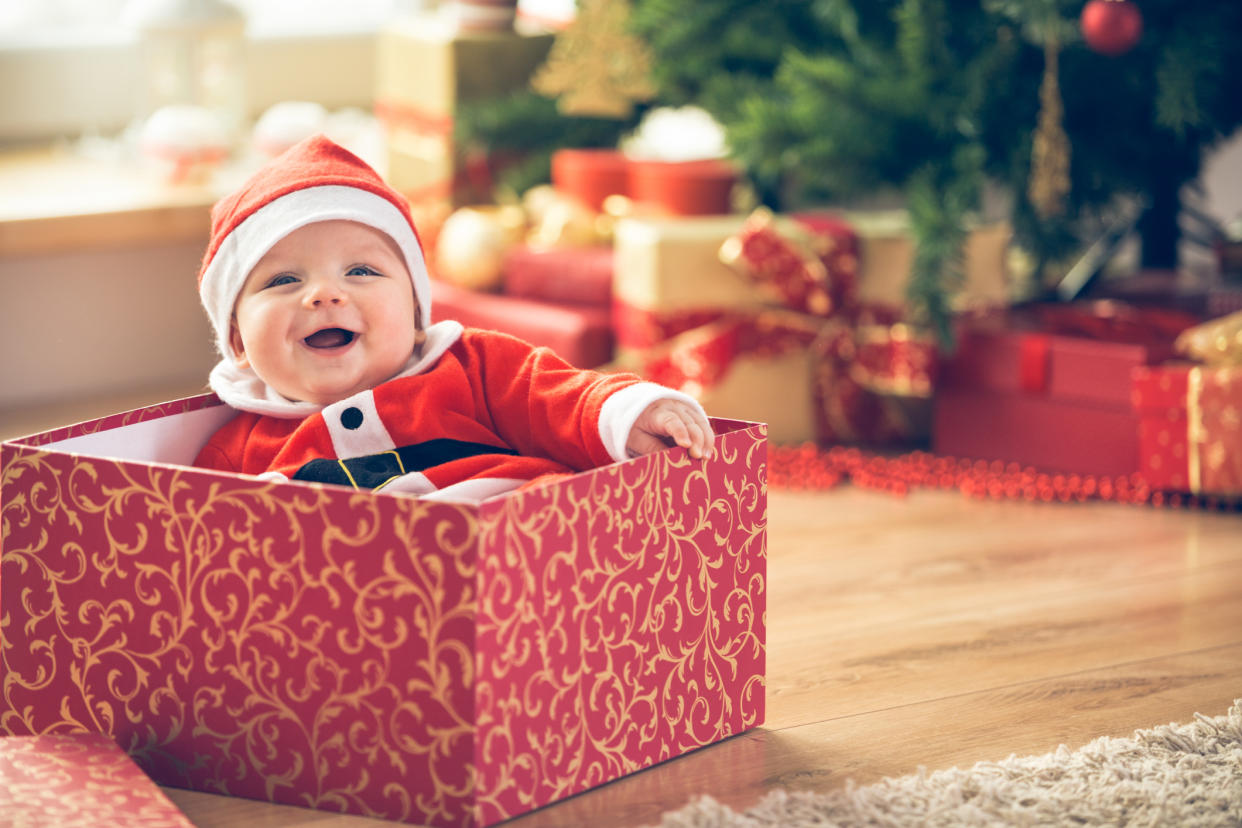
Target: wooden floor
[936,631]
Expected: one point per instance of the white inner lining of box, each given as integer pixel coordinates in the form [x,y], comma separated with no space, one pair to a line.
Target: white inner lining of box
[174,439]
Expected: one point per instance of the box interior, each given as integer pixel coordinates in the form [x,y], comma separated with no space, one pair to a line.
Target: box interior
[175,439]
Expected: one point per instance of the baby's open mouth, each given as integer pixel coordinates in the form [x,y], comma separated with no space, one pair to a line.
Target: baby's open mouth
[329,338]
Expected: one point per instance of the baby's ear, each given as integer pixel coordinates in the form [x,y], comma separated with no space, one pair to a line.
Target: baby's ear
[235,343]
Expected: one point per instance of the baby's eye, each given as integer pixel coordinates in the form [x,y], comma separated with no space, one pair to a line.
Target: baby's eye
[362,270]
[281,279]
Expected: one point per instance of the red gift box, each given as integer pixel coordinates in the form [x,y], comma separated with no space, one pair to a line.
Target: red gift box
[1051,388]
[80,779]
[580,334]
[1190,428]
[432,662]
[1191,415]
[566,275]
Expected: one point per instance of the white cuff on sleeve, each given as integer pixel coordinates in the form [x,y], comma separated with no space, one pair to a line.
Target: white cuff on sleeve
[622,409]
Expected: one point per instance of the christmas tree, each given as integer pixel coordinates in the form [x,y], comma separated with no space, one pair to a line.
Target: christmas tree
[827,100]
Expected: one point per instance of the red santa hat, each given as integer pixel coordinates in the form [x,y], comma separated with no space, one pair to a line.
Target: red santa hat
[314,180]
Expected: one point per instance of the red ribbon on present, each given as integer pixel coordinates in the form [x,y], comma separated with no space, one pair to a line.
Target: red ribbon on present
[868,368]
[413,119]
[1034,359]
[700,358]
[872,383]
[640,328]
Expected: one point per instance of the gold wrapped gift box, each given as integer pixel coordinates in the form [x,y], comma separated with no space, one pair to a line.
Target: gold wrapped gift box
[426,68]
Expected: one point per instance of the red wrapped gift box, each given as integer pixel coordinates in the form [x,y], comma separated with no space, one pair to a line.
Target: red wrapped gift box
[567,275]
[432,662]
[580,334]
[80,779]
[1050,390]
[1190,427]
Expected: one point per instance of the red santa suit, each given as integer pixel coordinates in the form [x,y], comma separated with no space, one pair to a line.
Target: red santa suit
[478,414]
[470,415]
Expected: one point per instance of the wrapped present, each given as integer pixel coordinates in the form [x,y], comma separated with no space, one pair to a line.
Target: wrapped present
[1049,386]
[831,381]
[580,334]
[431,662]
[669,278]
[797,353]
[567,275]
[1190,415]
[78,779]
[886,254]
[426,65]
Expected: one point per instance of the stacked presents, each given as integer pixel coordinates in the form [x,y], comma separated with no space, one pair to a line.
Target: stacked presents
[794,321]
[1099,388]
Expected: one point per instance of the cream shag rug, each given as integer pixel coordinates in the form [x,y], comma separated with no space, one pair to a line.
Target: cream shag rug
[1178,774]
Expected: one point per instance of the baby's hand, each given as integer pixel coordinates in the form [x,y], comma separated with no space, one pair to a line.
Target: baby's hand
[671,422]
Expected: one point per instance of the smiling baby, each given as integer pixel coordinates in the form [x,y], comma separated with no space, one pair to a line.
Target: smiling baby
[316,285]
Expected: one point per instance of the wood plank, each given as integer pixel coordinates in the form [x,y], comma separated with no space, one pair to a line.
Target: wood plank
[950,652]
[863,552]
[216,811]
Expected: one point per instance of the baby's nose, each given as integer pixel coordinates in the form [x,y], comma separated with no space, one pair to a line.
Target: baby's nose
[325,294]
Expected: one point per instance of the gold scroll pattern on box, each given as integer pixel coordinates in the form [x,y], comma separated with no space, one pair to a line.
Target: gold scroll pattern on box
[275,642]
[379,655]
[598,657]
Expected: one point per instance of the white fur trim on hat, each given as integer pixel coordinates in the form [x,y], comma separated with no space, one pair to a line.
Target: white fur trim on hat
[242,249]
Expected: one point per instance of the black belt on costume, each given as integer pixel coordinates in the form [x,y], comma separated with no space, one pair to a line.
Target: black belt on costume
[374,470]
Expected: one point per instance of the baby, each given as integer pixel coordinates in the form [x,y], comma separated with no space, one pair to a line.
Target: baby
[315,283]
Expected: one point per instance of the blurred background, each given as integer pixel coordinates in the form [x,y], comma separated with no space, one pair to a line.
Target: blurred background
[1102,148]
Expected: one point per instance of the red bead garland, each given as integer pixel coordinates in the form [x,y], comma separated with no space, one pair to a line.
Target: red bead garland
[809,468]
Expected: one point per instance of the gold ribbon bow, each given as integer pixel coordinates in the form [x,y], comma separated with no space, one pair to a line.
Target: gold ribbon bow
[1217,342]
[1213,419]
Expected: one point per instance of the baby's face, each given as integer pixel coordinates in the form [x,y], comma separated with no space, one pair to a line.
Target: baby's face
[326,313]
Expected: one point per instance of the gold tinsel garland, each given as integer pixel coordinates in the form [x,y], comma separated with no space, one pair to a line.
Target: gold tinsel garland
[1050,156]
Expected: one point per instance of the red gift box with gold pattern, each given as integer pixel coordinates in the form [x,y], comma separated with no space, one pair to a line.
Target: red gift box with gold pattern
[1049,386]
[431,662]
[1190,427]
[80,779]
[1191,430]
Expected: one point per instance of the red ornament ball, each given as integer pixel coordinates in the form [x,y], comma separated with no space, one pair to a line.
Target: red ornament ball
[1111,27]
